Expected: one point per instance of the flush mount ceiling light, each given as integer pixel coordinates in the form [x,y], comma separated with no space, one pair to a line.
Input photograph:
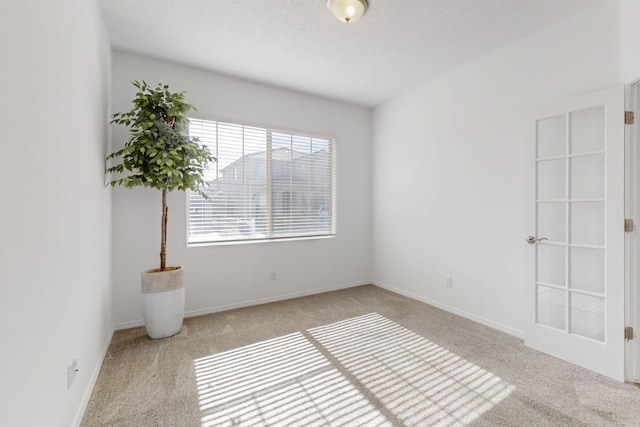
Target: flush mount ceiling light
[348,10]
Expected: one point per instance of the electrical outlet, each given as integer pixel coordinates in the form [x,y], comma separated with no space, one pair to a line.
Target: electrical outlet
[71,372]
[273,276]
[449,281]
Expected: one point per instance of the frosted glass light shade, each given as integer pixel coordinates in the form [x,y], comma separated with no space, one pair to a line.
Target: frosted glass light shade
[348,11]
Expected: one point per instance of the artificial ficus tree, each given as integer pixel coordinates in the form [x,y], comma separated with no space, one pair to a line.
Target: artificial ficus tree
[159,153]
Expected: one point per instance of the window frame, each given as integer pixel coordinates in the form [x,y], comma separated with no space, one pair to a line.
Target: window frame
[333,191]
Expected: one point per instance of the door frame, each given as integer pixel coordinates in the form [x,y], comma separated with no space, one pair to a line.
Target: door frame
[632,207]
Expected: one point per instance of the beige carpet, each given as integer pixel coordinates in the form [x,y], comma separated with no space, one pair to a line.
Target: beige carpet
[357,357]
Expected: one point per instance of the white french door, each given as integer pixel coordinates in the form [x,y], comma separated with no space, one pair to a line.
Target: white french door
[575,257]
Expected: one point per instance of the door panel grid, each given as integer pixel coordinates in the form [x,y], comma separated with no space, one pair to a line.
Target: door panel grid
[570,213]
[574,289]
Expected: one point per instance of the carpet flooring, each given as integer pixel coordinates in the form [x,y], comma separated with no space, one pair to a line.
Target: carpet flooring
[357,357]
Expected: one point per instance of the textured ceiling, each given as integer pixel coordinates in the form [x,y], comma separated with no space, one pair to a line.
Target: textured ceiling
[299,45]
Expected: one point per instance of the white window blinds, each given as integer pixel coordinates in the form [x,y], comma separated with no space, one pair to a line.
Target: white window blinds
[267,184]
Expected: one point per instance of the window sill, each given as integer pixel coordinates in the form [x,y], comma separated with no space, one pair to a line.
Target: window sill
[247,242]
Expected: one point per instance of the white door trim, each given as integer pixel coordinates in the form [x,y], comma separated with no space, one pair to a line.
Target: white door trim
[632,185]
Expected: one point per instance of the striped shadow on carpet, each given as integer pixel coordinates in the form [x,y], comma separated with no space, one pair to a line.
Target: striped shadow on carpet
[367,370]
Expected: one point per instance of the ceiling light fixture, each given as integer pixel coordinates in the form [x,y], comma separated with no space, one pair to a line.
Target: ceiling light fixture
[348,10]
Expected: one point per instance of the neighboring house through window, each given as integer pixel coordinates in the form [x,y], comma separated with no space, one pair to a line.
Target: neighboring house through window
[266,185]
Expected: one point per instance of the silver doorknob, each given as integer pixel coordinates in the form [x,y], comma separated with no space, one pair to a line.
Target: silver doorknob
[532,240]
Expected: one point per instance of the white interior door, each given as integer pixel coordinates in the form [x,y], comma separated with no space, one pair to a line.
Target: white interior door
[575,284]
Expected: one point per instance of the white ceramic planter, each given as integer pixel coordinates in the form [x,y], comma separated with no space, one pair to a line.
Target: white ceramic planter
[163,301]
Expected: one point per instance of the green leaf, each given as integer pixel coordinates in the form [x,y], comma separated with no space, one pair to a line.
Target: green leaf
[183,161]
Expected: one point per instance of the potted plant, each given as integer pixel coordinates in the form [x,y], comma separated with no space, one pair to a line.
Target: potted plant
[160,154]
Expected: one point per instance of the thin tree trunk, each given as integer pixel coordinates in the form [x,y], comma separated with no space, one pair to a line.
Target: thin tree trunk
[163,242]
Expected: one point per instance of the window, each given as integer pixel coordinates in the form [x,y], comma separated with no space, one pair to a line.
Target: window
[266,185]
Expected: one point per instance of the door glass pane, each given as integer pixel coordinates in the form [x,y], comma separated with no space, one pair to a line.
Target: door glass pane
[587,316]
[587,269]
[552,221]
[551,307]
[587,177]
[587,130]
[552,133]
[587,223]
[551,179]
[551,264]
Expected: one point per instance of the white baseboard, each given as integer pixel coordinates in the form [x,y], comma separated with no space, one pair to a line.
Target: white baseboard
[92,383]
[490,323]
[249,303]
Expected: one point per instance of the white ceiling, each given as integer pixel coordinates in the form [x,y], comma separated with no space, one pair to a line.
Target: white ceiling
[299,45]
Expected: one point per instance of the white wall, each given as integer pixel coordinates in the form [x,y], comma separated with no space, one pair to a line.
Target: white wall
[221,277]
[55,296]
[629,33]
[448,197]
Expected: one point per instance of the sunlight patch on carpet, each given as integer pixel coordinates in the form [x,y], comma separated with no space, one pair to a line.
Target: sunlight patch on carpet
[414,378]
[366,370]
[280,381]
